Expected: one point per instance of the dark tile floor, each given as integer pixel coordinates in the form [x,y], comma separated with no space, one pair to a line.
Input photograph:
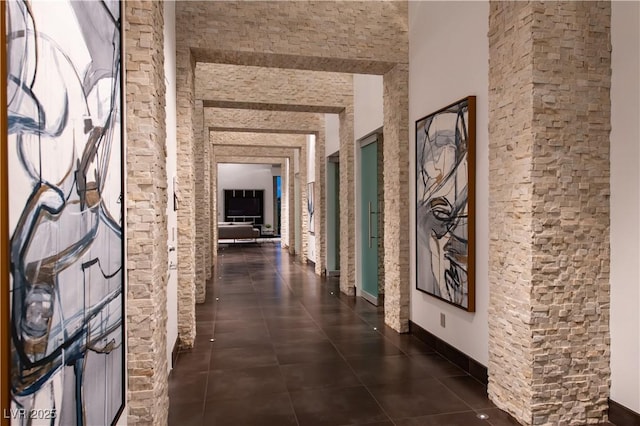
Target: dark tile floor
[290,349]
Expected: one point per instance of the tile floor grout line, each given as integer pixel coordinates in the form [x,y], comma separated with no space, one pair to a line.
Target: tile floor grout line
[264,319]
[344,358]
[294,277]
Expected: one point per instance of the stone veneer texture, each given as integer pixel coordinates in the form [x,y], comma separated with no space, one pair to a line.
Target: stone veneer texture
[213,210]
[186,188]
[349,36]
[304,210]
[206,182]
[396,190]
[380,240]
[272,88]
[232,119]
[549,204]
[365,37]
[201,213]
[288,237]
[320,202]
[303,87]
[347,206]
[223,120]
[146,202]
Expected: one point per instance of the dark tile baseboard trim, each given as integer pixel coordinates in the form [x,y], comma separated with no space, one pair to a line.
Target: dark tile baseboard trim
[618,414]
[462,360]
[622,416]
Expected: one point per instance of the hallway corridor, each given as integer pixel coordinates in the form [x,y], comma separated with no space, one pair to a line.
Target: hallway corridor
[290,349]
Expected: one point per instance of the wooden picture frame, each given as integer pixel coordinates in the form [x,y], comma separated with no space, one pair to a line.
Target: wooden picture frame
[445,203]
[5,353]
[62,213]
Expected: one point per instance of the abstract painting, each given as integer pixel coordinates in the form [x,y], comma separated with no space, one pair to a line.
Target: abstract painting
[311,207]
[64,140]
[445,187]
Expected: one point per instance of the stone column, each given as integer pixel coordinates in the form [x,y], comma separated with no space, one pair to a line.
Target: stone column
[186,212]
[347,203]
[213,222]
[146,201]
[199,199]
[549,115]
[320,203]
[283,195]
[284,212]
[206,205]
[397,195]
[304,211]
[291,205]
[380,240]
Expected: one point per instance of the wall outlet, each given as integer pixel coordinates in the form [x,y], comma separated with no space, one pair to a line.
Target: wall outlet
[442,320]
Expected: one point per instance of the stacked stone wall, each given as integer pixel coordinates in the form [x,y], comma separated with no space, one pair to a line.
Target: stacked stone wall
[213,215]
[549,211]
[146,203]
[305,90]
[380,210]
[347,36]
[397,256]
[320,202]
[571,174]
[304,210]
[231,119]
[347,206]
[185,105]
[510,207]
[259,141]
[200,212]
[265,47]
[273,89]
[207,219]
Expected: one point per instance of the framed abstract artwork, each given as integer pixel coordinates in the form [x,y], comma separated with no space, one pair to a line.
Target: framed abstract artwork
[445,204]
[311,207]
[65,210]
[5,353]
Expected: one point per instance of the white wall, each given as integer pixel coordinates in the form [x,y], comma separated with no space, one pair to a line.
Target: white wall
[331,134]
[368,113]
[172,217]
[445,66]
[246,176]
[311,177]
[625,205]
[437,77]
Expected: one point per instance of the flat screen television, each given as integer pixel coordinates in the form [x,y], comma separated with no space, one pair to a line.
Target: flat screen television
[244,205]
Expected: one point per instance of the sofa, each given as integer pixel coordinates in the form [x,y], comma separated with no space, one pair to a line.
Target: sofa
[237,231]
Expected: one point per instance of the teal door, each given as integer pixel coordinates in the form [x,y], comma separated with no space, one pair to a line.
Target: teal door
[333,217]
[369,220]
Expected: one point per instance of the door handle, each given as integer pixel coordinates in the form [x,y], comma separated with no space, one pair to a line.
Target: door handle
[369,227]
[371,236]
